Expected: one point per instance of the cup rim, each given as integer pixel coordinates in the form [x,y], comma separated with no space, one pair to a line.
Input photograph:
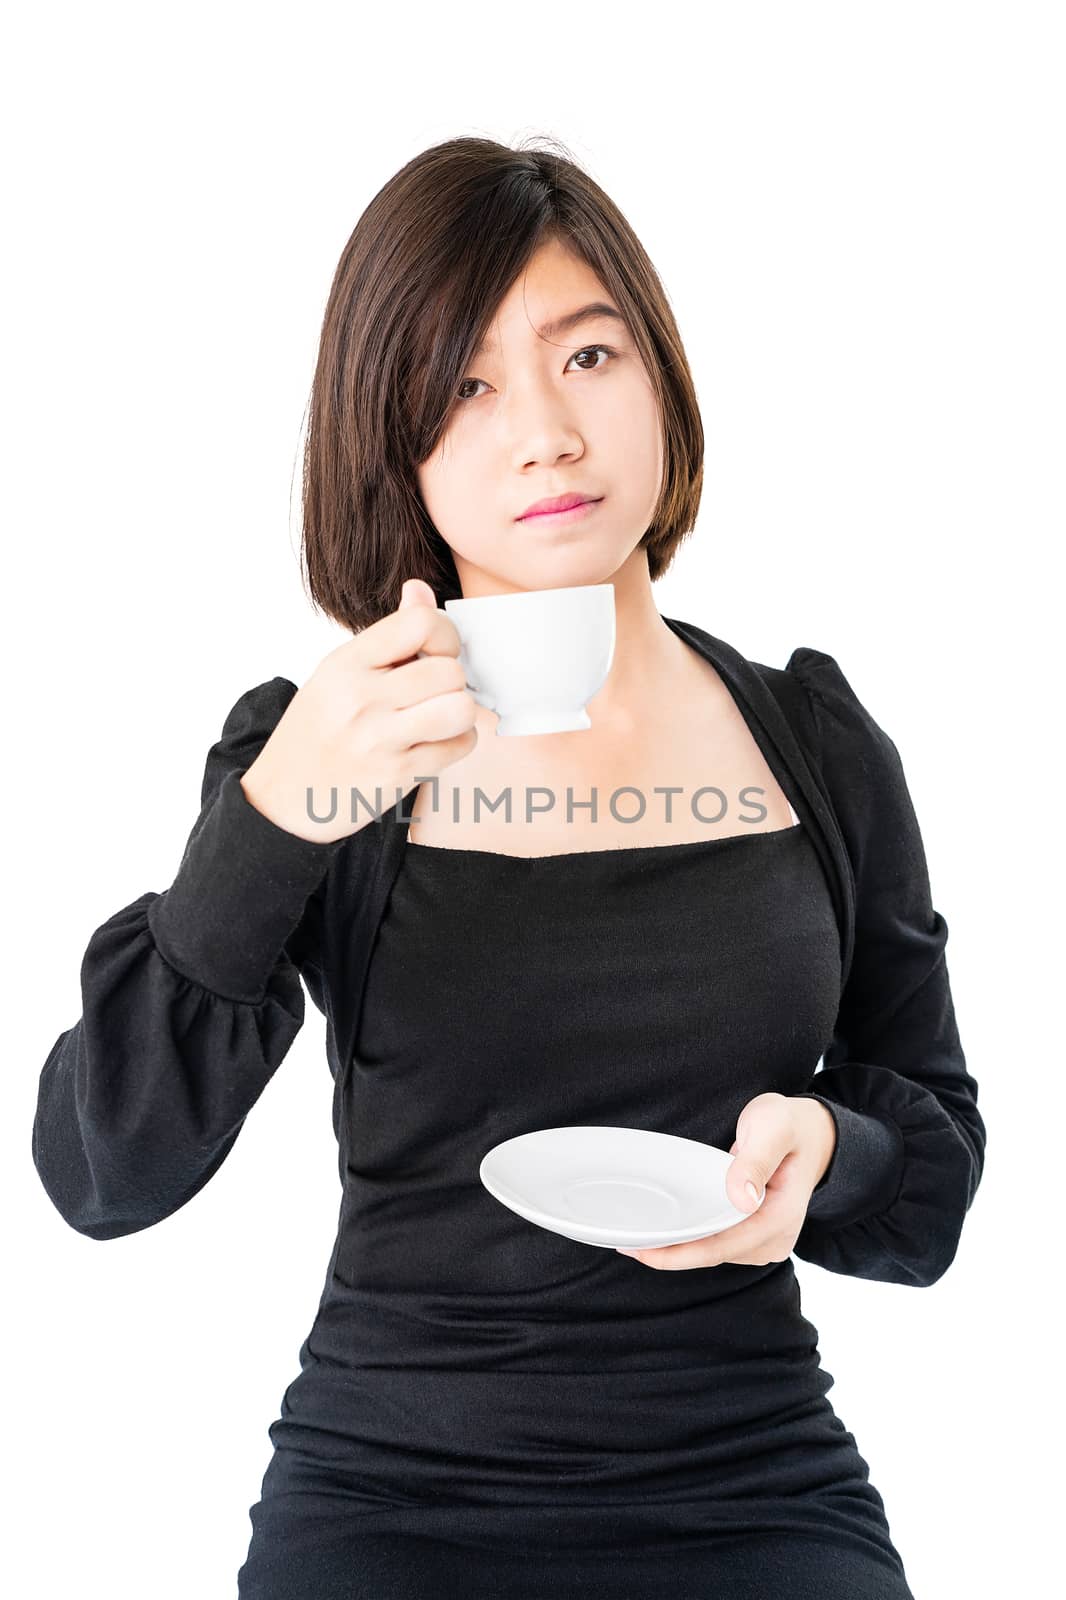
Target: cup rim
[531,596]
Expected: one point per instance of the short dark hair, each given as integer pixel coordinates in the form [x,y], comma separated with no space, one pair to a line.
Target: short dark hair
[415,291]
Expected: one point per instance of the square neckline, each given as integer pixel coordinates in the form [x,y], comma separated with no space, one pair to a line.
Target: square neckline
[467,851]
[611,850]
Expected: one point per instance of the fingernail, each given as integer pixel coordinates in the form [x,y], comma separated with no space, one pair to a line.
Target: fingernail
[753,1192]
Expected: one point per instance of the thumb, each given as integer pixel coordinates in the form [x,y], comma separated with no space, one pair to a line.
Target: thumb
[742,1184]
[416,592]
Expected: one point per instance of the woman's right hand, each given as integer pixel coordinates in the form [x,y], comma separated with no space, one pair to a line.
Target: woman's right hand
[372,716]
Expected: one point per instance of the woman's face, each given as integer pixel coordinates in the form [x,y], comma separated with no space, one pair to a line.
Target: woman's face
[530,422]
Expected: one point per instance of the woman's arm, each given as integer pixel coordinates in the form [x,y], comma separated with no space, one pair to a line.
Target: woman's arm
[910,1140]
[191,999]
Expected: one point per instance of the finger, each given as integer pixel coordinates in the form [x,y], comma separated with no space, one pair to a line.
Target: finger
[743,1238]
[398,637]
[765,1136]
[421,680]
[416,591]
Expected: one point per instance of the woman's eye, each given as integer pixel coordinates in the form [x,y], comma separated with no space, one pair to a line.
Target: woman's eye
[588,349]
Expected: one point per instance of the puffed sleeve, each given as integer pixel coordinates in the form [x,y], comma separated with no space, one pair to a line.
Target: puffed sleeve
[191,999]
[910,1140]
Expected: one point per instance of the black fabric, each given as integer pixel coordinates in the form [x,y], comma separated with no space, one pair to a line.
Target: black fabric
[463,1356]
[307,1547]
[192,997]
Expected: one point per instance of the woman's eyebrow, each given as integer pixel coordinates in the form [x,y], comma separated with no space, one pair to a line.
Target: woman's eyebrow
[597,310]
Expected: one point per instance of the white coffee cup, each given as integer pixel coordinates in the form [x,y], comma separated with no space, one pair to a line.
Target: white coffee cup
[538,657]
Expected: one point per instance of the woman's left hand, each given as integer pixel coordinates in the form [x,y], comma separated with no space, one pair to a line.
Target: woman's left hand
[783,1147]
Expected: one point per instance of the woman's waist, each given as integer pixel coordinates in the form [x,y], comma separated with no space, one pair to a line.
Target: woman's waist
[619,1317]
[414,1434]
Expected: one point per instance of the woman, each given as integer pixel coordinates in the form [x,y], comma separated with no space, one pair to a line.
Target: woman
[483,1404]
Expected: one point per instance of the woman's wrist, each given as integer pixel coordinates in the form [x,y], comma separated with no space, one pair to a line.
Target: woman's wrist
[823,1132]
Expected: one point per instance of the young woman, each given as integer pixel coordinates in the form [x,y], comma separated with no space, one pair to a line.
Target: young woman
[483,1405]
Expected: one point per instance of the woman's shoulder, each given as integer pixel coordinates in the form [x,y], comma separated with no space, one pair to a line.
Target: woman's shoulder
[246,727]
[863,768]
[841,715]
[811,687]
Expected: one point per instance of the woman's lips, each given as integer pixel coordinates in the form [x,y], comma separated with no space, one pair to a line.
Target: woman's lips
[574,513]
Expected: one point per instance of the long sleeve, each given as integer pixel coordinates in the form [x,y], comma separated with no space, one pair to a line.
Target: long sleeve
[910,1139]
[191,999]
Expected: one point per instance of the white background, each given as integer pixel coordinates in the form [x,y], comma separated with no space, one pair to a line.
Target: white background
[857,213]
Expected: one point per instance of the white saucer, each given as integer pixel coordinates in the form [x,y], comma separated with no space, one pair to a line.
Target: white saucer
[613,1186]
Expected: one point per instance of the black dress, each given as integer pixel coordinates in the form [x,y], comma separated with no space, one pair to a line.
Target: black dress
[530,1409]
[481,1404]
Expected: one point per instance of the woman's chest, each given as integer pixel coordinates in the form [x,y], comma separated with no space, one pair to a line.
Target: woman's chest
[656,989]
[680,780]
